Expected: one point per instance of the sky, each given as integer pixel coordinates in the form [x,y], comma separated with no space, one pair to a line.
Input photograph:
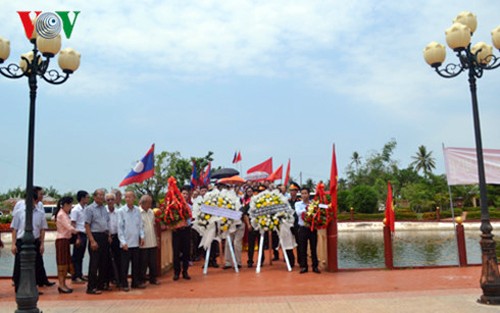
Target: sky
[274,78]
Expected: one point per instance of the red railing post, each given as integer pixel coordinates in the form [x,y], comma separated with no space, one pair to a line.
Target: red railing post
[462,251]
[331,246]
[389,262]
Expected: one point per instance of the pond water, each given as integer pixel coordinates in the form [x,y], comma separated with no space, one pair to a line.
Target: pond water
[360,249]
[410,248]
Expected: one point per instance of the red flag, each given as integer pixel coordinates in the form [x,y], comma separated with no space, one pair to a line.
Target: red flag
[287,175]
[390,217]
[143,170]
[266,166]
[205,175]
[237,157]
[278,174]
[334,176]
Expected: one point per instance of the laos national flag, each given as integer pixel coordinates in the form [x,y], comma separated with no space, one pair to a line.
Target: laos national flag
[143,170]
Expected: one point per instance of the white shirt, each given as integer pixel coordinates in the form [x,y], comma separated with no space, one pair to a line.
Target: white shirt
[19,221]
[21,205]
[148,219]
[300,207]
[113,221]
[77,215]
[130,226]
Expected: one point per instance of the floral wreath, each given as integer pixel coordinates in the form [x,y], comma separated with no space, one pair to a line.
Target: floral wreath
[318,213]
[175,211]
[209,225]
[269,210]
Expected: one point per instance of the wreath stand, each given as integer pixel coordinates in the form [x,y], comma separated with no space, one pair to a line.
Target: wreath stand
[233,256]
[261,249]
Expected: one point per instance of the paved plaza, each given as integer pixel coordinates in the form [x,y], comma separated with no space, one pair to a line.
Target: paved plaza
[450,289]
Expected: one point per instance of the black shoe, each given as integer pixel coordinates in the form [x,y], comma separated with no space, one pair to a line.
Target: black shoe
[126,289]
[40,293]
[140,286]
[94,292]
[225,267]
[250,265]
[176,276]
[105,288]
[213,264]
[186,276]
[316,270]
[303,270]
[49,283]
[64,290]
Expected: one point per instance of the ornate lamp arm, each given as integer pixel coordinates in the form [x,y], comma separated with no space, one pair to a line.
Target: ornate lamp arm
[54,77]
[450,70]
[11,71]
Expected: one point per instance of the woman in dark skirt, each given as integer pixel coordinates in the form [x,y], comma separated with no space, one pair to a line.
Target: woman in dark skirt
[64,232]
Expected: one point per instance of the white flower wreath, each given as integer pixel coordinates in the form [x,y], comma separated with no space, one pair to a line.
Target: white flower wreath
[210,226]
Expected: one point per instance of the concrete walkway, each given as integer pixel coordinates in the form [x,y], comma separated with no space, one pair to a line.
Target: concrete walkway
[276,290]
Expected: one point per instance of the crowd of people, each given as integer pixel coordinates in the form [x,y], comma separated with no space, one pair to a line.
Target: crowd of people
[120,239]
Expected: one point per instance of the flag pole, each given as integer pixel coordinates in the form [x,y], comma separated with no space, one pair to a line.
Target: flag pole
[452,209]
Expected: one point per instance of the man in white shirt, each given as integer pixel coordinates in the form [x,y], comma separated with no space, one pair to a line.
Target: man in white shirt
[131,236]
[18,229]
[77,216]
[149,251]
[114,246]
[305,235]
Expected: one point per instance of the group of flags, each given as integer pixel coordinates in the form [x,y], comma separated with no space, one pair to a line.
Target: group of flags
[200,177]
[144,169]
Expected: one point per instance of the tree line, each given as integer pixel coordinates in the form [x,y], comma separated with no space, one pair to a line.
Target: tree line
[364,186]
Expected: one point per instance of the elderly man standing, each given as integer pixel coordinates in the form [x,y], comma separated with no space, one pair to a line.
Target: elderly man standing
[114,248]
[149,251]
[96,227]
[131,236]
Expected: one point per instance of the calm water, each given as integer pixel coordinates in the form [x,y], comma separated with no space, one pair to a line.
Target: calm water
[410,248]
[356,250]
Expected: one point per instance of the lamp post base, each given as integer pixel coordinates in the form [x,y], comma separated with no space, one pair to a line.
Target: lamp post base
[490,277]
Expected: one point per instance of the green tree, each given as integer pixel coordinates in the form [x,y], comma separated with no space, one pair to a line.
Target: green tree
[423,161]
[310,184]
[420,196]
[356,160]
[363,199]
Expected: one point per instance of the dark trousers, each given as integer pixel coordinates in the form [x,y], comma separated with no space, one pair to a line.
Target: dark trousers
[195,242]
[40,274]
[98,263]
[114,260]
[181,241]
[149,261]
[131,255]
[306,235]
[78,254]
[276,243]
[253,237]
[291,257]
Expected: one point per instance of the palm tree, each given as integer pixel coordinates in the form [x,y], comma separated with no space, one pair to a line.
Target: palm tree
[356,159]
[424,161]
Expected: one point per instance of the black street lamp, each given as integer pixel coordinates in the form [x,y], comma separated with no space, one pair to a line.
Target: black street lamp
[35,64]
[475,60]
